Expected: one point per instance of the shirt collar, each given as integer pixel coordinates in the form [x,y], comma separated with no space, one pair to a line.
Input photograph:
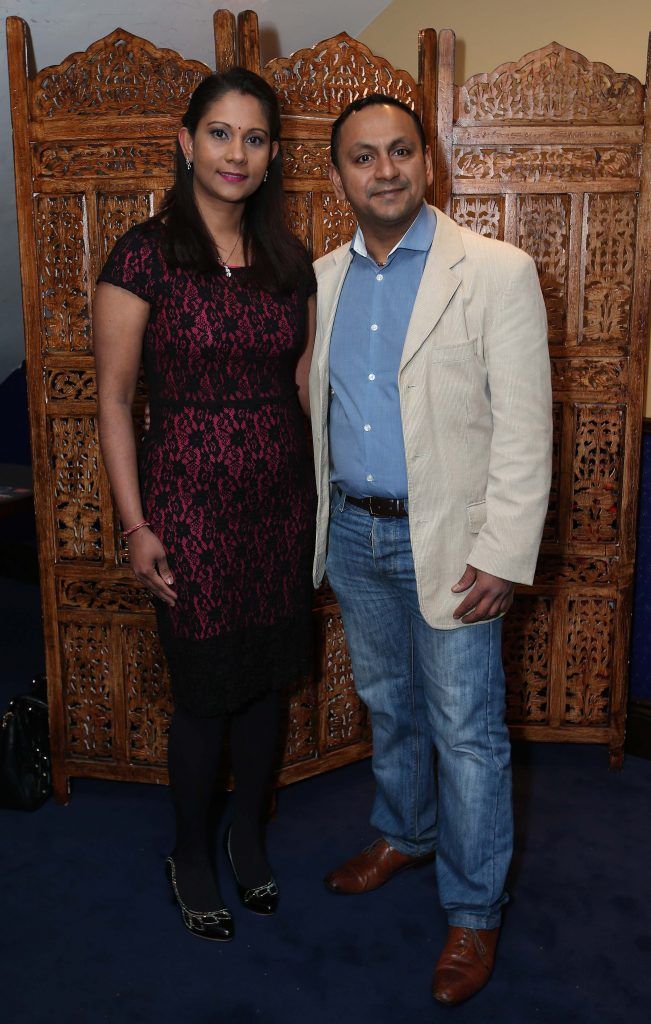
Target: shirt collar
[419,235]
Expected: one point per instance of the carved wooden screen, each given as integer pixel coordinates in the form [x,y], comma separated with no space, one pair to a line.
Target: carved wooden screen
[551,153]
[548,154]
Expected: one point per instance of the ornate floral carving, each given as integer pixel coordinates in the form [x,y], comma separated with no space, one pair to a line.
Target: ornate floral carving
[119,74]
[62,250]
[598,441]
[609,264]
[326,77]
[75,474]
[103,595]
[554,85]
[121,545]
[99,159]
[116,213]
[79,384]
[306,159]
[544,232]
[87,695]
[75,385]
[589,652]
[298,206]
[609,375]
[551,528]
[545,163]
[483,214]
[338,223]
[347,719]
[569,570]
[301,740]
[526,660]
[149,704]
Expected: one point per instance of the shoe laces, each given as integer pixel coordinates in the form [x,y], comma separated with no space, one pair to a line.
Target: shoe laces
[465,943]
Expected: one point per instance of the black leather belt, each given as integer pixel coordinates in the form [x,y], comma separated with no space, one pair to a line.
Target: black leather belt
[382,507]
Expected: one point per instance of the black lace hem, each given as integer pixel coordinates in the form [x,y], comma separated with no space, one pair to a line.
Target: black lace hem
[223,674]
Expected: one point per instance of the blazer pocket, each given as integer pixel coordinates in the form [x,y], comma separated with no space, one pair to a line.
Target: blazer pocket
[454,353]
[476,513]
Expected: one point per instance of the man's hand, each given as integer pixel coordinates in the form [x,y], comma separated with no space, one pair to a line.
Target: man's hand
[488,597]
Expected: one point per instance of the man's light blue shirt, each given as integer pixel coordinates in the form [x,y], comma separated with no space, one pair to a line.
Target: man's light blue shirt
[367,452]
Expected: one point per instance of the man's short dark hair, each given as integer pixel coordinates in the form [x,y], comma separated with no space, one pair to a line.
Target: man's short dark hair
[372,100]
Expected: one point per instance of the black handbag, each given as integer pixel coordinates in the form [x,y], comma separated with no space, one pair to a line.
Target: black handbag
[25,776]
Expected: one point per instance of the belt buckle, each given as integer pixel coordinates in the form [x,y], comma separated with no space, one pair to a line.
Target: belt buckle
[380,513]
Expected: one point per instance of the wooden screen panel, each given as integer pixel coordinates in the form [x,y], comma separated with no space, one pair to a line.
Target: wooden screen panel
[483,214]
[527,660]
[64,272]
[607,272]
[147,693]
[551,153]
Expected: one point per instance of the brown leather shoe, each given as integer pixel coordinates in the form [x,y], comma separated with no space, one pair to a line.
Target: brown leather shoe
[371,868]
[465,965]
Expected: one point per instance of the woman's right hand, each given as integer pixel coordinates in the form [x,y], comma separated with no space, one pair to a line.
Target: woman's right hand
[148,560]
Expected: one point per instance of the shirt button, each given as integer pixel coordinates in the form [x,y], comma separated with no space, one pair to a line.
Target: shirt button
[379,277]
[369,478]
[367,427]
[374,327]
[371,376]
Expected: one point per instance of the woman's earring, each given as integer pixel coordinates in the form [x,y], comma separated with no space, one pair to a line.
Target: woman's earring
[266,175]
[188,163]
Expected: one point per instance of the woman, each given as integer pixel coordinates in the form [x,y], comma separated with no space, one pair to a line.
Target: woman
[218,298]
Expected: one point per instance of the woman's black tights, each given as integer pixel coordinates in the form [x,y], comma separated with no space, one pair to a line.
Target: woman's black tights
[194,749]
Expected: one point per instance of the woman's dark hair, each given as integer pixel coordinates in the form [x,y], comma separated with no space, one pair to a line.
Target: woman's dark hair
[278,260]
[372,100]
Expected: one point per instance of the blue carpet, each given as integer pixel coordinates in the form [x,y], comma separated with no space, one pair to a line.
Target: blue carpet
[89,935]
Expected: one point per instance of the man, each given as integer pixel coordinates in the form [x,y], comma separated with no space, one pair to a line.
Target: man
[431,410]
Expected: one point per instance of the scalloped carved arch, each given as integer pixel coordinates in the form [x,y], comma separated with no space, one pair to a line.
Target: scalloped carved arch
[325,78]
[119,74]
[553,85]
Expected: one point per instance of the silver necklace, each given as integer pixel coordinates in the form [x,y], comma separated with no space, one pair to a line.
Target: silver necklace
[224,263]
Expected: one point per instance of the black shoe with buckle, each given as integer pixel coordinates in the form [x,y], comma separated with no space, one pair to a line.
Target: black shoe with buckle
[260,899]
[217,925]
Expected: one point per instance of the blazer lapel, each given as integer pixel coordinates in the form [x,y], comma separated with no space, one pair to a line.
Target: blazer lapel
[330,285]
[437,286]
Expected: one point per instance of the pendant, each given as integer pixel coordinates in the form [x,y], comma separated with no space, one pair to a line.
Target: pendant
[227,270]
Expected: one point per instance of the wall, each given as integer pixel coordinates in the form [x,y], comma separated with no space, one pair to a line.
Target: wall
[504,30]
[490,34]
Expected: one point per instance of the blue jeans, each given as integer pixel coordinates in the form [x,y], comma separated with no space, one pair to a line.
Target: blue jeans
[441,750]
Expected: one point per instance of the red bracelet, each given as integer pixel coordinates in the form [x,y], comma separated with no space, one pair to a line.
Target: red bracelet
[132,529]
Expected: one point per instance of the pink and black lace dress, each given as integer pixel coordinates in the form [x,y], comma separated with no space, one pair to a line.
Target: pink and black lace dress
[225,472]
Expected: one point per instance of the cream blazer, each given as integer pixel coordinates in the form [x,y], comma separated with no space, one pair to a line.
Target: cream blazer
[475,403]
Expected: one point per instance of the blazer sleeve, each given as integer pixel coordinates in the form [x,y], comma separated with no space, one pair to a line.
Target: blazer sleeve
[519,474]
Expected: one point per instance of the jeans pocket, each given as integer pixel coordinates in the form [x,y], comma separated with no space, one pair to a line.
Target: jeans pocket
[336,501]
